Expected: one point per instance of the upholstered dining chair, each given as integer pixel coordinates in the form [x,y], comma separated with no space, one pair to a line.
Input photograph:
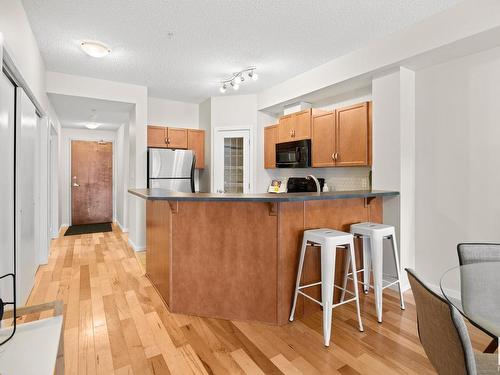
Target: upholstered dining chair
[444,335]
[469,253]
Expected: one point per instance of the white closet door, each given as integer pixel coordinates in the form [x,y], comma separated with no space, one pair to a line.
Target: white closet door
[7,105]
[27,256]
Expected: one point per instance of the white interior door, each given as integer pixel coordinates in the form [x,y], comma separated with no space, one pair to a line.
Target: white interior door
[7,127]
[231,161]
[27,257]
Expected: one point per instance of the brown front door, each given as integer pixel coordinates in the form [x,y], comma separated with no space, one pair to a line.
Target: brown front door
[91,182]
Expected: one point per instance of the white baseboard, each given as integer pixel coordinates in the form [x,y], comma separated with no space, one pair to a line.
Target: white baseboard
[135,247]
[124,230]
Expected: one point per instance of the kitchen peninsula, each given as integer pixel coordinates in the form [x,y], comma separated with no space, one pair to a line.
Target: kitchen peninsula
[235,256]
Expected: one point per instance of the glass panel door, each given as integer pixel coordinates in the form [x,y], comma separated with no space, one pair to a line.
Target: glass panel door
[232,166]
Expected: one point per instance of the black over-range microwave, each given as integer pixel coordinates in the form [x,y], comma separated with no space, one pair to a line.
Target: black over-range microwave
[295,154]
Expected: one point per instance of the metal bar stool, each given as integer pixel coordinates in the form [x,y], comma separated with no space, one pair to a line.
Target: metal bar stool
[329,240]
[373,236]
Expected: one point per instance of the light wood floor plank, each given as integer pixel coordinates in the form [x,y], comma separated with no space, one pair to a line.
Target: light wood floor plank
[116,323]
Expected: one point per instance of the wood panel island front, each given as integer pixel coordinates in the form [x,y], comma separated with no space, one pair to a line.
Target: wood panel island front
[235,256]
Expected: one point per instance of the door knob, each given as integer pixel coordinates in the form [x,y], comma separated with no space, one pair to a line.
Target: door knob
[75,184]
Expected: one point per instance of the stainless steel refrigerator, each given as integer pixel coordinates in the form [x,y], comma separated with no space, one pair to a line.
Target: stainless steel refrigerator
[171,169]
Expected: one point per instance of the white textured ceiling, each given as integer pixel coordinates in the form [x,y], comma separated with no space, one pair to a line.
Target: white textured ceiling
[211,38]
[74,112]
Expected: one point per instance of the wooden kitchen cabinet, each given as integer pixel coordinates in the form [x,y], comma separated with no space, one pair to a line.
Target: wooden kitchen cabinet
[353,135]
[196,142]
[177,138]
[270,139]
[157,136]
[342,138]
[285,129]
[296,126]
[323,140]
[302,125]
[160,136]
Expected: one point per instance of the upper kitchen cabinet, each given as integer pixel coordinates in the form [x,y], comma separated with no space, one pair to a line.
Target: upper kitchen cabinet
[160,136]
[270,139]
[323,140]
[177,138]
[285,129]
[342,138]
[353,135]
[196,142]
[157,136]
[296,126]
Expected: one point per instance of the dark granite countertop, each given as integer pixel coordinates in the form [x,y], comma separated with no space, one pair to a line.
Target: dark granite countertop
[162,194]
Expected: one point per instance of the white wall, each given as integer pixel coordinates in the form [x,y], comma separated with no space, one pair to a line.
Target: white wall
[68,135]
[26,63]
[235,111]
[173,113]
[457,162]
[21,46]
[204,121]
[122,158]
[394,158]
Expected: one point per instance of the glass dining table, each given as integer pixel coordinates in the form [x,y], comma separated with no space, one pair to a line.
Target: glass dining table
[474,289]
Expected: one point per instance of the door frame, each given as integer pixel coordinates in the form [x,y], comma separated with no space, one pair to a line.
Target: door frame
[113,174]
[251,152]
[53,181]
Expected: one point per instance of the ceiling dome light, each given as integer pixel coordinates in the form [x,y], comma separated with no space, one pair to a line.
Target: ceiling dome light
[95,49]
[223,88]
[235,85]
[92,125]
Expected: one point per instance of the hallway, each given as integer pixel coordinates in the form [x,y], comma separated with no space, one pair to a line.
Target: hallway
[116,323]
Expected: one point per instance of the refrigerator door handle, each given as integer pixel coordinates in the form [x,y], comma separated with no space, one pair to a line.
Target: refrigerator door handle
[193,165]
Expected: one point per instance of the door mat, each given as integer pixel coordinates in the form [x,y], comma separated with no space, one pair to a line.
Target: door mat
[88,228]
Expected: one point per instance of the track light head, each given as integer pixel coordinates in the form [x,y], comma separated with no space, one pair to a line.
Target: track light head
[223,88]
[253,75]
[235,85]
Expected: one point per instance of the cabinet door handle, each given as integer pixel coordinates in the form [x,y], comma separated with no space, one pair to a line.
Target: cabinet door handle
[333,156]
[336,155]
[166,140]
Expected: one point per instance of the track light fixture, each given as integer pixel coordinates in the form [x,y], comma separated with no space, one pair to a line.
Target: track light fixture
[238,78]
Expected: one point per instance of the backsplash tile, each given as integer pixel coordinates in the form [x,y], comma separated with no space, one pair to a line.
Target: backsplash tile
[337,179]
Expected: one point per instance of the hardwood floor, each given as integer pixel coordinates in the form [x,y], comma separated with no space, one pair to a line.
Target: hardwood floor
[116,323]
